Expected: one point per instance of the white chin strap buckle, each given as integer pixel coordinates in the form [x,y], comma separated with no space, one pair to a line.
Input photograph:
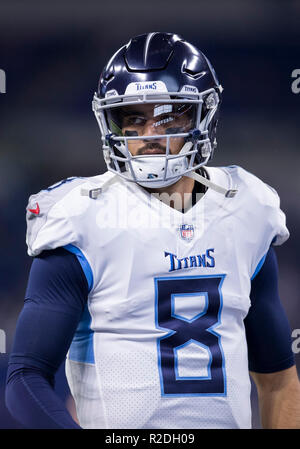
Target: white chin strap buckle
[231,193]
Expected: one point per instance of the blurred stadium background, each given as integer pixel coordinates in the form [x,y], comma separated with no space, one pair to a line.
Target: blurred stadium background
[53,52]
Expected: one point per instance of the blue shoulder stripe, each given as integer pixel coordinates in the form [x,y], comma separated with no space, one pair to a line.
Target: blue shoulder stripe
[84,264]
[259,265]
[82,346]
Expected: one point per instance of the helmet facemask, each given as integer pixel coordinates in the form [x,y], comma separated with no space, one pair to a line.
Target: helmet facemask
[155,139]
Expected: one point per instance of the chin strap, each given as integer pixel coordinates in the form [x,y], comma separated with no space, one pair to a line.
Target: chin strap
[228,193]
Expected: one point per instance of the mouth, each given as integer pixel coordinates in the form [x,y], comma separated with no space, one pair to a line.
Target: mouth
[152,151]
[151,148]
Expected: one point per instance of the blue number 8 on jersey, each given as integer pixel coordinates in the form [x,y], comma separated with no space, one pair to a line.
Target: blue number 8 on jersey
[197,330]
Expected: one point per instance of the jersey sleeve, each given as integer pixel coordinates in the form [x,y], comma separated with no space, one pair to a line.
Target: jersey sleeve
[277,218]
[48,223]
[262,222]
[274,232]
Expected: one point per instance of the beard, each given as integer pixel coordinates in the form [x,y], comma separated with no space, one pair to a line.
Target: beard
[151,148]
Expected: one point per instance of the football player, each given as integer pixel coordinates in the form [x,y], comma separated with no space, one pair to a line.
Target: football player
[157,280]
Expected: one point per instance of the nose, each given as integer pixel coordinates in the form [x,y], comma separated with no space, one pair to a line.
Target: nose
[149,128]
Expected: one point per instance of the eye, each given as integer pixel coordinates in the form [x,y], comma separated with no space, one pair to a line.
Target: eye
[134,120]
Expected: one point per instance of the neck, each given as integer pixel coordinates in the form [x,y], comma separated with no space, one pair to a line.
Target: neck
[177,195]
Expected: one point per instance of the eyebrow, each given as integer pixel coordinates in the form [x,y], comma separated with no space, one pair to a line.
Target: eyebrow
[132,112]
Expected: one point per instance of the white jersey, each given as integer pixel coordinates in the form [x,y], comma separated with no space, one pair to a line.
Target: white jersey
[162,341]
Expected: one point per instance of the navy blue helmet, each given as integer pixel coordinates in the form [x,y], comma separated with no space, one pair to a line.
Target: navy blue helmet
[172,75]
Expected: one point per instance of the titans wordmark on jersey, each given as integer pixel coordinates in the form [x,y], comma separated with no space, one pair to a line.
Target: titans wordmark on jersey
[161,343]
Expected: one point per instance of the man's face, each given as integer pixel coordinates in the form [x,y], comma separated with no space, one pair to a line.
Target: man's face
[153,120]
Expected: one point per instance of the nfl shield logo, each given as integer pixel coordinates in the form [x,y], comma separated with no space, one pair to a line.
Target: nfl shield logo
[186,231]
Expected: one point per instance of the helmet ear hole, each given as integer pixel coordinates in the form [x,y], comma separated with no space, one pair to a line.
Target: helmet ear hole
[205,149]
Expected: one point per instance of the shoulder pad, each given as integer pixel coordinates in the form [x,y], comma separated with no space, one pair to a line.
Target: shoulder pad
[47,224]
[264,200]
